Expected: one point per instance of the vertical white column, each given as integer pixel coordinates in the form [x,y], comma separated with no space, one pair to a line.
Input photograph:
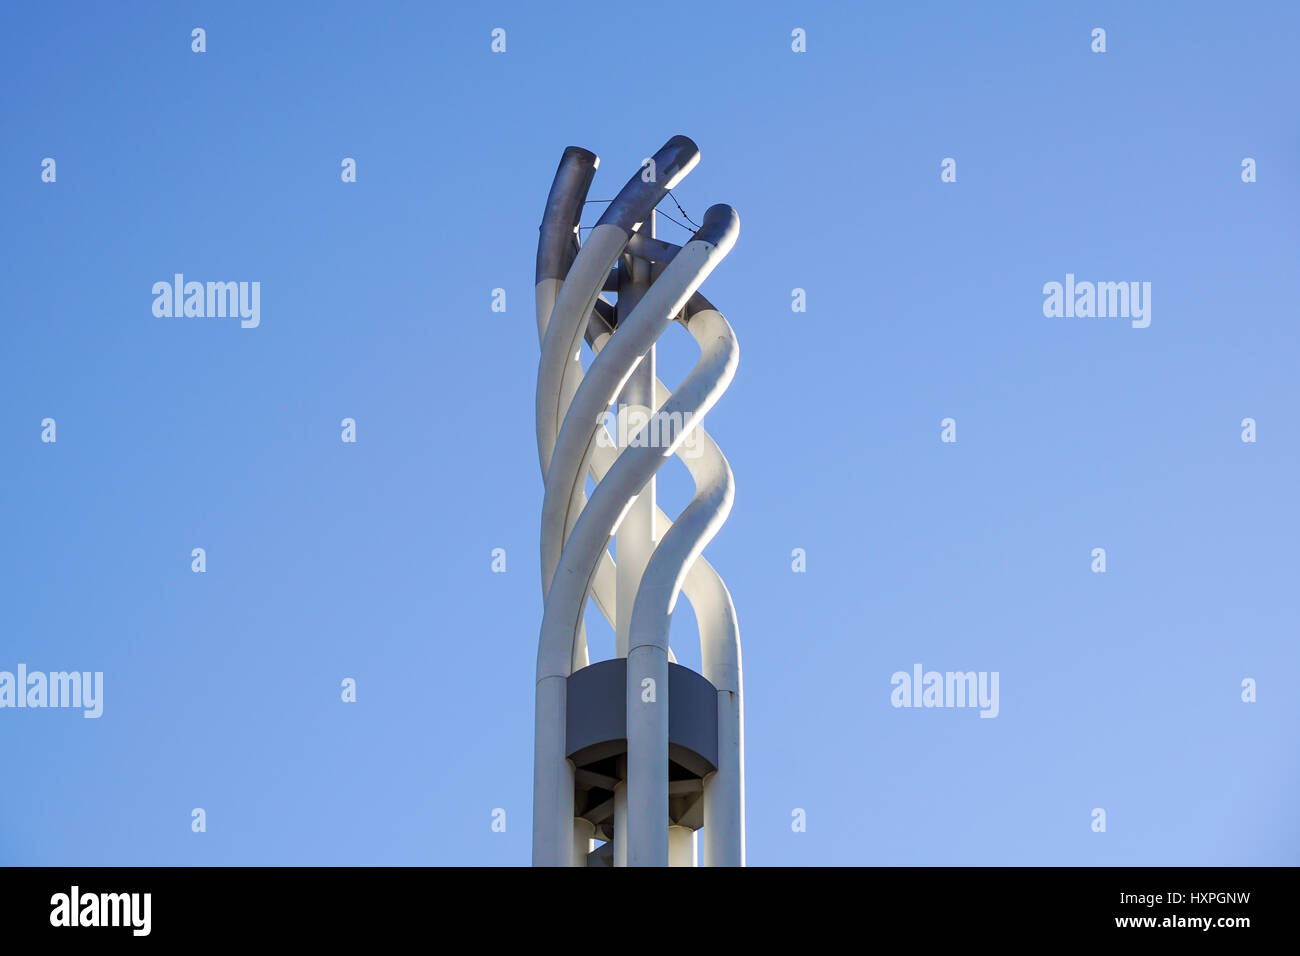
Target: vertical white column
[681,846]
[620,814]
[647,755]
[583,833]
[724,791]
[636,536]
[552,778]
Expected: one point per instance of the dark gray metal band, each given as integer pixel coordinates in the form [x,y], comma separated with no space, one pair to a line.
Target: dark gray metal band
[634,201]
[557,246]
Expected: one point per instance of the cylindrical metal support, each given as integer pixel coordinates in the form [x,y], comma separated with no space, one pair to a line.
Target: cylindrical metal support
[583,833]
[620,815]
[724,791]
[552,778]
[647,722]
[636,534]
[681,846]
[647,756]
[635,540]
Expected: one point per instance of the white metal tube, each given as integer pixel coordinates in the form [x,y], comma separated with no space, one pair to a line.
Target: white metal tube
[584,831]
[636,535]
[681,846]
[552,777]
[564,605]
[586,276]
[647,722]
[647,755]
[546,292]
[604,380]
[698,393]
[724,791]
[723,842]
[700,390]
[576,299]
[620,815]
[635,540]
[723,836]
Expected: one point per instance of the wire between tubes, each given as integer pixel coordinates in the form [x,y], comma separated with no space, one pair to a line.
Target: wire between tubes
[683,212]
[693,227]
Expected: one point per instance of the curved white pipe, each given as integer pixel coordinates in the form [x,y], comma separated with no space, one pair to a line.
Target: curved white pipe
[553,774]
[722,843]
[563,310]
[689,403]
[586,276]
[611,368]
[647,659]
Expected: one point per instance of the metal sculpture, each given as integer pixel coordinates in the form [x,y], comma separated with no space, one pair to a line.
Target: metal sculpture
[637,752]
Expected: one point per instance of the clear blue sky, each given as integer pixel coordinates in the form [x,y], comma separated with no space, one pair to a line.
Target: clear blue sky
[372,560]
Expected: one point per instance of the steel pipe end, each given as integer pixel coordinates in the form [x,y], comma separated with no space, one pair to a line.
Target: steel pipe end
[675,159]
[721,226]
[577,155]
[633,204]
[563,212]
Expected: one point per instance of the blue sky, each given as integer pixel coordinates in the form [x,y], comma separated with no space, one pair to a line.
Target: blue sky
[372,560]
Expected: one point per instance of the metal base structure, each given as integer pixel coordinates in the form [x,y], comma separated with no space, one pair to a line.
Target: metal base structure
[637,751]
